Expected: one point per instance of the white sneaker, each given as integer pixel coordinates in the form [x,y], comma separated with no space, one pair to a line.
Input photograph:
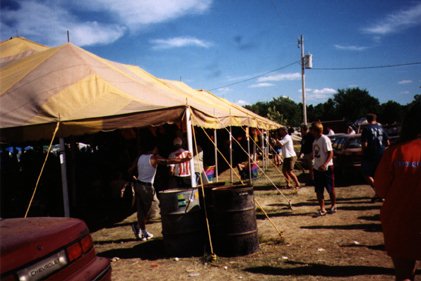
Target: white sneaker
[146,236]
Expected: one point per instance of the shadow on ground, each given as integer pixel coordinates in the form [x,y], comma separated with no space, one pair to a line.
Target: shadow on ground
[321,270]
[369,227]
[150,250]
[261,216]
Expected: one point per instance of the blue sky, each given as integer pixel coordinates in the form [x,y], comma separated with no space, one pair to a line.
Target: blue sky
[230,46]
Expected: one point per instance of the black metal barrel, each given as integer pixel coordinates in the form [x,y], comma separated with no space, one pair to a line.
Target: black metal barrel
[235,226]
[208,200]
[182,222]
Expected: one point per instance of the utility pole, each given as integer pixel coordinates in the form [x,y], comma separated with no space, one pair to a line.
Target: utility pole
[303,84]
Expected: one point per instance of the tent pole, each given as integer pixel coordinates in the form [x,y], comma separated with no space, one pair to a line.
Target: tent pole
[254,147]
[248,153]
[215,136]
[265,141]
[190,146]
[230,146]
[65,188]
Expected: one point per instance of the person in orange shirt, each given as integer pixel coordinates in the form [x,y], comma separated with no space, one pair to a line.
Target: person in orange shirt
[398,180]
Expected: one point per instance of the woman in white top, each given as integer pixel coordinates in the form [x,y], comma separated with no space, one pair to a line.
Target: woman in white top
[290,157]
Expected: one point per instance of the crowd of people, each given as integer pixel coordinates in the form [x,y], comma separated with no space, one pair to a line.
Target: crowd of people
[394,173]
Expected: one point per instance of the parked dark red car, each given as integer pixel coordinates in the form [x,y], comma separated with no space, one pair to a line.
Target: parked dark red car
[347,155]
[49,249]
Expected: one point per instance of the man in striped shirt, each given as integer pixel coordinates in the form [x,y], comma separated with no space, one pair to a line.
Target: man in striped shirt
[180,173]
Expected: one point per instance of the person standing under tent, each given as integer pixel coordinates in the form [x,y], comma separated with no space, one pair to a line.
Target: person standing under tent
[323,168]
[146,166]
[180,172]
[398,180]
[306,151]
[373,141]
[289,157]
[198,166]
[277,150]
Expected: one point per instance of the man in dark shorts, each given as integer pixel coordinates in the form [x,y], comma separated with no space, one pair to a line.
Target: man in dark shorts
[323,168]
[373,140]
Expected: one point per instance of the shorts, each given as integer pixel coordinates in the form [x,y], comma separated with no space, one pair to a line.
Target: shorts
[144,197]
[289,164]
[324,179]
[368,167]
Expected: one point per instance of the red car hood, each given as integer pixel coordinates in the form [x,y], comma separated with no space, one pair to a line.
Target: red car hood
[26,240]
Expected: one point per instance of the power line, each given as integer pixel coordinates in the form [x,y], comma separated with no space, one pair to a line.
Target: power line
[366,67]
[254,77]
[318,68]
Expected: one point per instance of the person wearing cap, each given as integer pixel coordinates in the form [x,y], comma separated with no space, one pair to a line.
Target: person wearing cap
[180,172]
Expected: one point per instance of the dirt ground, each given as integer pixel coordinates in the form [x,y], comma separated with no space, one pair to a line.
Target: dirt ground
[347,245]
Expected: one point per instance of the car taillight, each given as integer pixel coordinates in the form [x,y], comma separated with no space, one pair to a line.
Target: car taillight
[86,243]
[76,250]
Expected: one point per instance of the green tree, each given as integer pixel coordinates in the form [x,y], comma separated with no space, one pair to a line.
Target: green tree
[391,112]
[353,103]
[261,108]
[281,109]
[289,110]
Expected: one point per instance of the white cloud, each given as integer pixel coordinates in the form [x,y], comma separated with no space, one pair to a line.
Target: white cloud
[178,42]
[47,21]
[242,102]
[397,21]
[350,47]
[402,82]
[325,91]
[136,14]
[280,77]
[262,85]
[49,24]
[317,94]
[307,90]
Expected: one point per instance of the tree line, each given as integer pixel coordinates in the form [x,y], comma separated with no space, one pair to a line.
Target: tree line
[347,104]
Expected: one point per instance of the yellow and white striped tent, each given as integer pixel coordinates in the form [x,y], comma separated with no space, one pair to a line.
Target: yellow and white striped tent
[40,86]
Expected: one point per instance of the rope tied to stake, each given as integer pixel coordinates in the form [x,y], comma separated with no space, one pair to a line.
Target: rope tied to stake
[42,169]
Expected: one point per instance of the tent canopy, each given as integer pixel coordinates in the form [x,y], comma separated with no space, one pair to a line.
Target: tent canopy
[17,48]
[40,86]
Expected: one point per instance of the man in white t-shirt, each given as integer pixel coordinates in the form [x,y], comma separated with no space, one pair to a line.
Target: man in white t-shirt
[323,168]
[289,155]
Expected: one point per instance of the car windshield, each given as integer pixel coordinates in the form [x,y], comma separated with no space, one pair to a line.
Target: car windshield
[338,144]
[354,143]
